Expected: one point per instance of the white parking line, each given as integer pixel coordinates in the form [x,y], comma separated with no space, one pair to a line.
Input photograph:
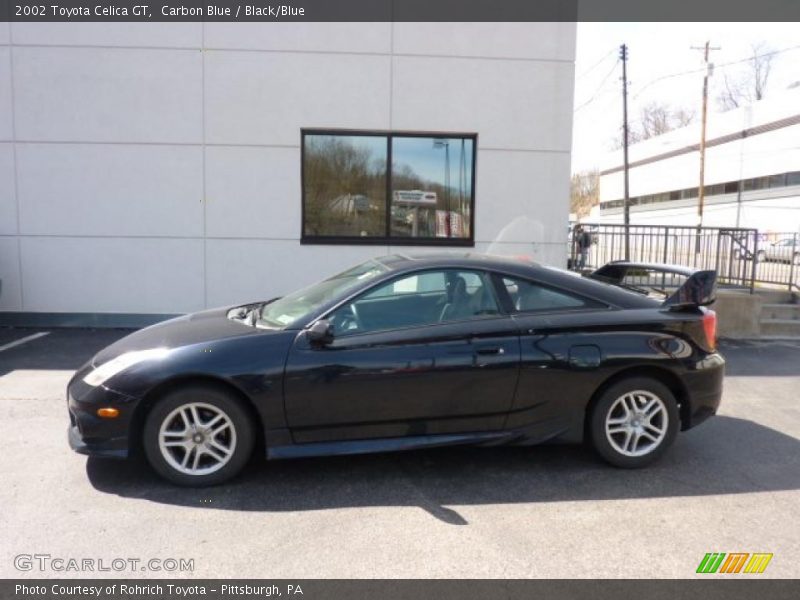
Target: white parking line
[24,340]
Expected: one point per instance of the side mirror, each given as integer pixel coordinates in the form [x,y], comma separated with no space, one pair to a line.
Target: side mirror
[320,332]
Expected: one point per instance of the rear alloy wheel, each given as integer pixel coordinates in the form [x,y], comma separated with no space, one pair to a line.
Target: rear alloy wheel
[634,422]
[198,436]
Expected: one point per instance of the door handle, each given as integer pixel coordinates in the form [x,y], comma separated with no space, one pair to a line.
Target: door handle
[490,350]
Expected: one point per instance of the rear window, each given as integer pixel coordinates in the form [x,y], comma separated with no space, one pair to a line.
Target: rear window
[527,296]
[652,282]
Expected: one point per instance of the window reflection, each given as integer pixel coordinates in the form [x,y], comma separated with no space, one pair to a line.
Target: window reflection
[431,187]
[345,185]
[350,191]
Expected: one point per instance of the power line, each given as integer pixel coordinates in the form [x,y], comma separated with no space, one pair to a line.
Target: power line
[595,65]
[597,91]
[716,66]
[673,75]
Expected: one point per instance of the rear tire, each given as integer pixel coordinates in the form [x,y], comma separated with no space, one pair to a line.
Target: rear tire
[198,436]
[634,422]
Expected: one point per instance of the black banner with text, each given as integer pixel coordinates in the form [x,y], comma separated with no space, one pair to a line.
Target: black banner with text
[396,10]
[718,588]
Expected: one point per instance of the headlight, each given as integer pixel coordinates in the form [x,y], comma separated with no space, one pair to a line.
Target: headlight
[124,361]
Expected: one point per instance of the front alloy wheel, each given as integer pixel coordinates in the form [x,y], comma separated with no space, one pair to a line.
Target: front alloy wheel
[198,435]
[197,439]
[634,422]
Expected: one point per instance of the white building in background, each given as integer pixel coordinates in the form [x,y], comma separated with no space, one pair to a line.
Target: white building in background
[155,169]
[752,172]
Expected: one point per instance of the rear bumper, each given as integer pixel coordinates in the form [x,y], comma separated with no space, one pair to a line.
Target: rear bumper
[704,389]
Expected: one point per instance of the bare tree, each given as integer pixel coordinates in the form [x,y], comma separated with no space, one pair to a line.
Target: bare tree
[681,117]
[749,84]
[655,118]
[584,192]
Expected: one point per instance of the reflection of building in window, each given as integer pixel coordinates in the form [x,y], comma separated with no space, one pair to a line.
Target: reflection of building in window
[355,209]
[413,212]
[350,204]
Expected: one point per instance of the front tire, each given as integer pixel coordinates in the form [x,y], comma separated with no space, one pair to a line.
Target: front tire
[634,422]
[198,436]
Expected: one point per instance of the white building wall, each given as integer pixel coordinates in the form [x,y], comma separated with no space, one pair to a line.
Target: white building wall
[762,154]
[155,168]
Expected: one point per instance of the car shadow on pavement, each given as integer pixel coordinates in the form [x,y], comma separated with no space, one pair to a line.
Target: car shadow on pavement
[724,456]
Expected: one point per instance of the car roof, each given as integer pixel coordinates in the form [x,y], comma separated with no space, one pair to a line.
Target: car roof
[443,259]
[524,267]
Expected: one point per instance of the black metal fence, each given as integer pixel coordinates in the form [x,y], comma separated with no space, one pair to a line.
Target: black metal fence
[742,257]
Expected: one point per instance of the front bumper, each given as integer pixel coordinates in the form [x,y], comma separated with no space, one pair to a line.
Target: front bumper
[111,448]
[93,435]
[704,387]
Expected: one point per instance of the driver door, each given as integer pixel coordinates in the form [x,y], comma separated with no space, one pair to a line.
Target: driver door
[427,353]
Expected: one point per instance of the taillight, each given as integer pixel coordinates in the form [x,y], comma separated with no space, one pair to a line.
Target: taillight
[710,327]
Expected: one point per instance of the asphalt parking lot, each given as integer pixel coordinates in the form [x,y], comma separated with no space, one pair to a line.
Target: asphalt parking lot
[731,485]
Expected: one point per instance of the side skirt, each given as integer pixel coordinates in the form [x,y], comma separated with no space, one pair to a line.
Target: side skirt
[385,444]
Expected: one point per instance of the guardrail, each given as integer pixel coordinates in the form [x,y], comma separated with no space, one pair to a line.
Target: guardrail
[742,257]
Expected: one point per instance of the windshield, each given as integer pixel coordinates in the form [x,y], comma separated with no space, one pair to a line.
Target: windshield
[286,311]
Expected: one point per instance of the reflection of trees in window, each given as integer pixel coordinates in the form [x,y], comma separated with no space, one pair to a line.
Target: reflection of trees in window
[345,186]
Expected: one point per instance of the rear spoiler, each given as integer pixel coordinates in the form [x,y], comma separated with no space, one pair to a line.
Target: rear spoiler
[699,289]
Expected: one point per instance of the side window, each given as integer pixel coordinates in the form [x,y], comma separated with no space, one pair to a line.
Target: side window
[433,281]
[528,296]
[421,299]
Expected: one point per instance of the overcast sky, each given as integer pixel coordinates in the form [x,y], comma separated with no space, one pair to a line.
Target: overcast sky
[657,50]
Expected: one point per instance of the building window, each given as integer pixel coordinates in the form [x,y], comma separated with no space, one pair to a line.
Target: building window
[775,181]
[731,187]
[392,188]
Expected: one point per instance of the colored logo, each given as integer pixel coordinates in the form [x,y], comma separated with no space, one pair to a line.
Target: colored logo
[734,562]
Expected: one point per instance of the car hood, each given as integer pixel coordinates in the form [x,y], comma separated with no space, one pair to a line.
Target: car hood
[196,328]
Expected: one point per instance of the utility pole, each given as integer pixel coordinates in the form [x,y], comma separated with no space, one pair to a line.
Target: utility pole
[623,55]
[701,192]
